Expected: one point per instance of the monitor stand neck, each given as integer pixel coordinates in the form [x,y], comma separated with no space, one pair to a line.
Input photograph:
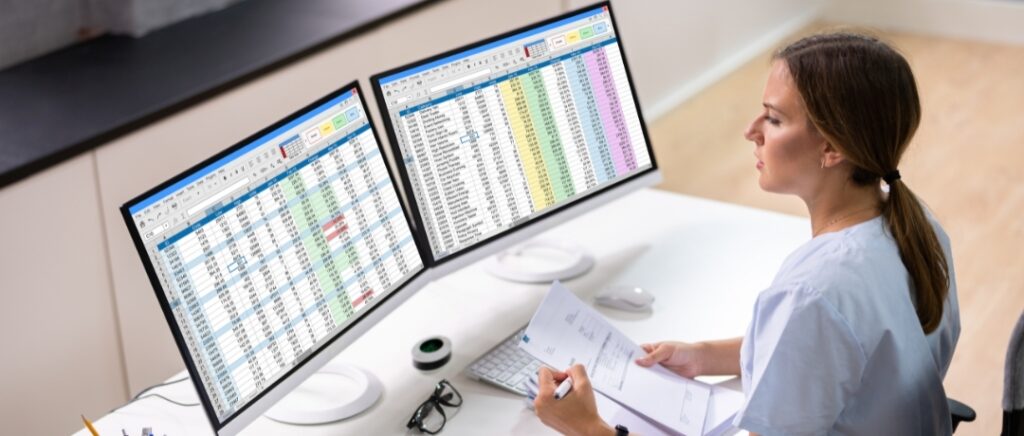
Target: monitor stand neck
[335,392]
[540,261]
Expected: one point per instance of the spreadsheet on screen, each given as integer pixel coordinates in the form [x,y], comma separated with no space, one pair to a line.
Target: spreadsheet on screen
[500,133]
[265,254]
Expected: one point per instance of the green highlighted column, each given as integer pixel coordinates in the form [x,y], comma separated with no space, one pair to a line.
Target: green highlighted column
[315,208]
[547,133]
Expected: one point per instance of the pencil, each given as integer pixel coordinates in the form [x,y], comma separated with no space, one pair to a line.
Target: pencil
[89,426]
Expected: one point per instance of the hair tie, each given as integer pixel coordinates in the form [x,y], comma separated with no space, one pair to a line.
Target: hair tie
[891,177]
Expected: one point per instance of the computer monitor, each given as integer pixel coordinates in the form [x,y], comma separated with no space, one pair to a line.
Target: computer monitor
[270,257]
[492,139]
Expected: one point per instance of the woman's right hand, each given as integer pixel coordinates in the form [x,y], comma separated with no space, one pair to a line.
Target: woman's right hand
[681,358]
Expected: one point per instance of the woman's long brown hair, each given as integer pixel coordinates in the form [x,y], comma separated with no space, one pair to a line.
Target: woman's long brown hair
[861,95]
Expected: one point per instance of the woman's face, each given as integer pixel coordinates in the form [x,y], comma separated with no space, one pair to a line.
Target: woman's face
[788,148]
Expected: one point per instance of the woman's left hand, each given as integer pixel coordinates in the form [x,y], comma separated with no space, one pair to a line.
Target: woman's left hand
[575,413]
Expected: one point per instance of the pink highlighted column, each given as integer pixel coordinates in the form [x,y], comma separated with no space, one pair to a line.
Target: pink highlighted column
[610,110]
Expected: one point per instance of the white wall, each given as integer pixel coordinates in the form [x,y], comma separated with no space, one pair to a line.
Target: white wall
[21,36]
[32,28]
[1000,21]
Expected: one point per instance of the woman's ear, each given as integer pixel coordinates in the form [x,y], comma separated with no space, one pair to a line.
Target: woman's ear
[831,156]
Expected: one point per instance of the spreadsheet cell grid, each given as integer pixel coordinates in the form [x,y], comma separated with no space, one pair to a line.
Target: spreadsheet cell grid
[266,275]
[504,147]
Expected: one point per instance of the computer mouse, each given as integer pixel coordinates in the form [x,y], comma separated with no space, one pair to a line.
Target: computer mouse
[622,297]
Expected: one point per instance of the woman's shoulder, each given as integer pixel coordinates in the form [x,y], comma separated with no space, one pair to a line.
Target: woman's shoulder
[856,270]
[847,256]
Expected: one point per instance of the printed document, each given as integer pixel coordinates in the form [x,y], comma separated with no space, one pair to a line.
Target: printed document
[565,330]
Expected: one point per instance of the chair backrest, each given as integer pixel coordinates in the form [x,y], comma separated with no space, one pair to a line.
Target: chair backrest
[1013,389]
[1013,386]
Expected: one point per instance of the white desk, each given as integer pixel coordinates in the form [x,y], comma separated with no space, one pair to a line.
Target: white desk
[704,261]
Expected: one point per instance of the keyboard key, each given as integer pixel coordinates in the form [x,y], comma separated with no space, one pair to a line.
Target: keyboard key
[518,381]
[506,365]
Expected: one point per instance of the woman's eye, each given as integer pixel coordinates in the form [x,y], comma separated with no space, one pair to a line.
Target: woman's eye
[772,121]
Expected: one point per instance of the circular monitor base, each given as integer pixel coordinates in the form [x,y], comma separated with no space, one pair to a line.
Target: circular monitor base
[335,392]
[540,261]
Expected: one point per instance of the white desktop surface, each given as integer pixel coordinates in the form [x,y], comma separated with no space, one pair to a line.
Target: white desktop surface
[704,261]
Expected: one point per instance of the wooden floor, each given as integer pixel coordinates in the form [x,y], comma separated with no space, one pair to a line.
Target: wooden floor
[966,162]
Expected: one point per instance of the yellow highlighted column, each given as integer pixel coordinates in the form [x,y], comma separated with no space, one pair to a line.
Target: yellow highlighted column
[514,97]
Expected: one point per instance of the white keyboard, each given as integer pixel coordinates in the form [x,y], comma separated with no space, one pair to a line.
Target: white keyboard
[506,366]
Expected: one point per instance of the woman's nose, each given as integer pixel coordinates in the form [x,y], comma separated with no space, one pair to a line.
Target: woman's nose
[752,133]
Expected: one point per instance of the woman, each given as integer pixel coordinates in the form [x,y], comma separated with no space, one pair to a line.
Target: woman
[857,330]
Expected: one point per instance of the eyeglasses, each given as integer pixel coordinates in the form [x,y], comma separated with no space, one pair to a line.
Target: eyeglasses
[432,423]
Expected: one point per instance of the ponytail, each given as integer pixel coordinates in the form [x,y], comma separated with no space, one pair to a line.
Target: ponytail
[921,253]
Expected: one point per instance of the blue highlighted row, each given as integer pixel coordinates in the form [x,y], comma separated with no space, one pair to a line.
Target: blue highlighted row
[305,313]
[315,267]
[274,214]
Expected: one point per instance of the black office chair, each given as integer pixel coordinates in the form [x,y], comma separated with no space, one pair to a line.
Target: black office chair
[1013,386]
[1013,389]
[960,412]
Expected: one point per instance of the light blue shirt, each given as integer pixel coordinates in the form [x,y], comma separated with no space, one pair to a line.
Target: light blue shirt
[835,345]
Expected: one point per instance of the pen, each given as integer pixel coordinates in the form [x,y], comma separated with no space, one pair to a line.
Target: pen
[89,426]
[563,388]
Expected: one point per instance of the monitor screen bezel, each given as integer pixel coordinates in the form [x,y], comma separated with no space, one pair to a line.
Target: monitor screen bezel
[165,304]
[460,256]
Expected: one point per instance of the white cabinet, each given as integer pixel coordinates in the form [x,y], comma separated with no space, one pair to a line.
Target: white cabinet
[60,340]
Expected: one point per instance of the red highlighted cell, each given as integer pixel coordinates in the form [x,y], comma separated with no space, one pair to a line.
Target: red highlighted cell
[362,297]
[333,228]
